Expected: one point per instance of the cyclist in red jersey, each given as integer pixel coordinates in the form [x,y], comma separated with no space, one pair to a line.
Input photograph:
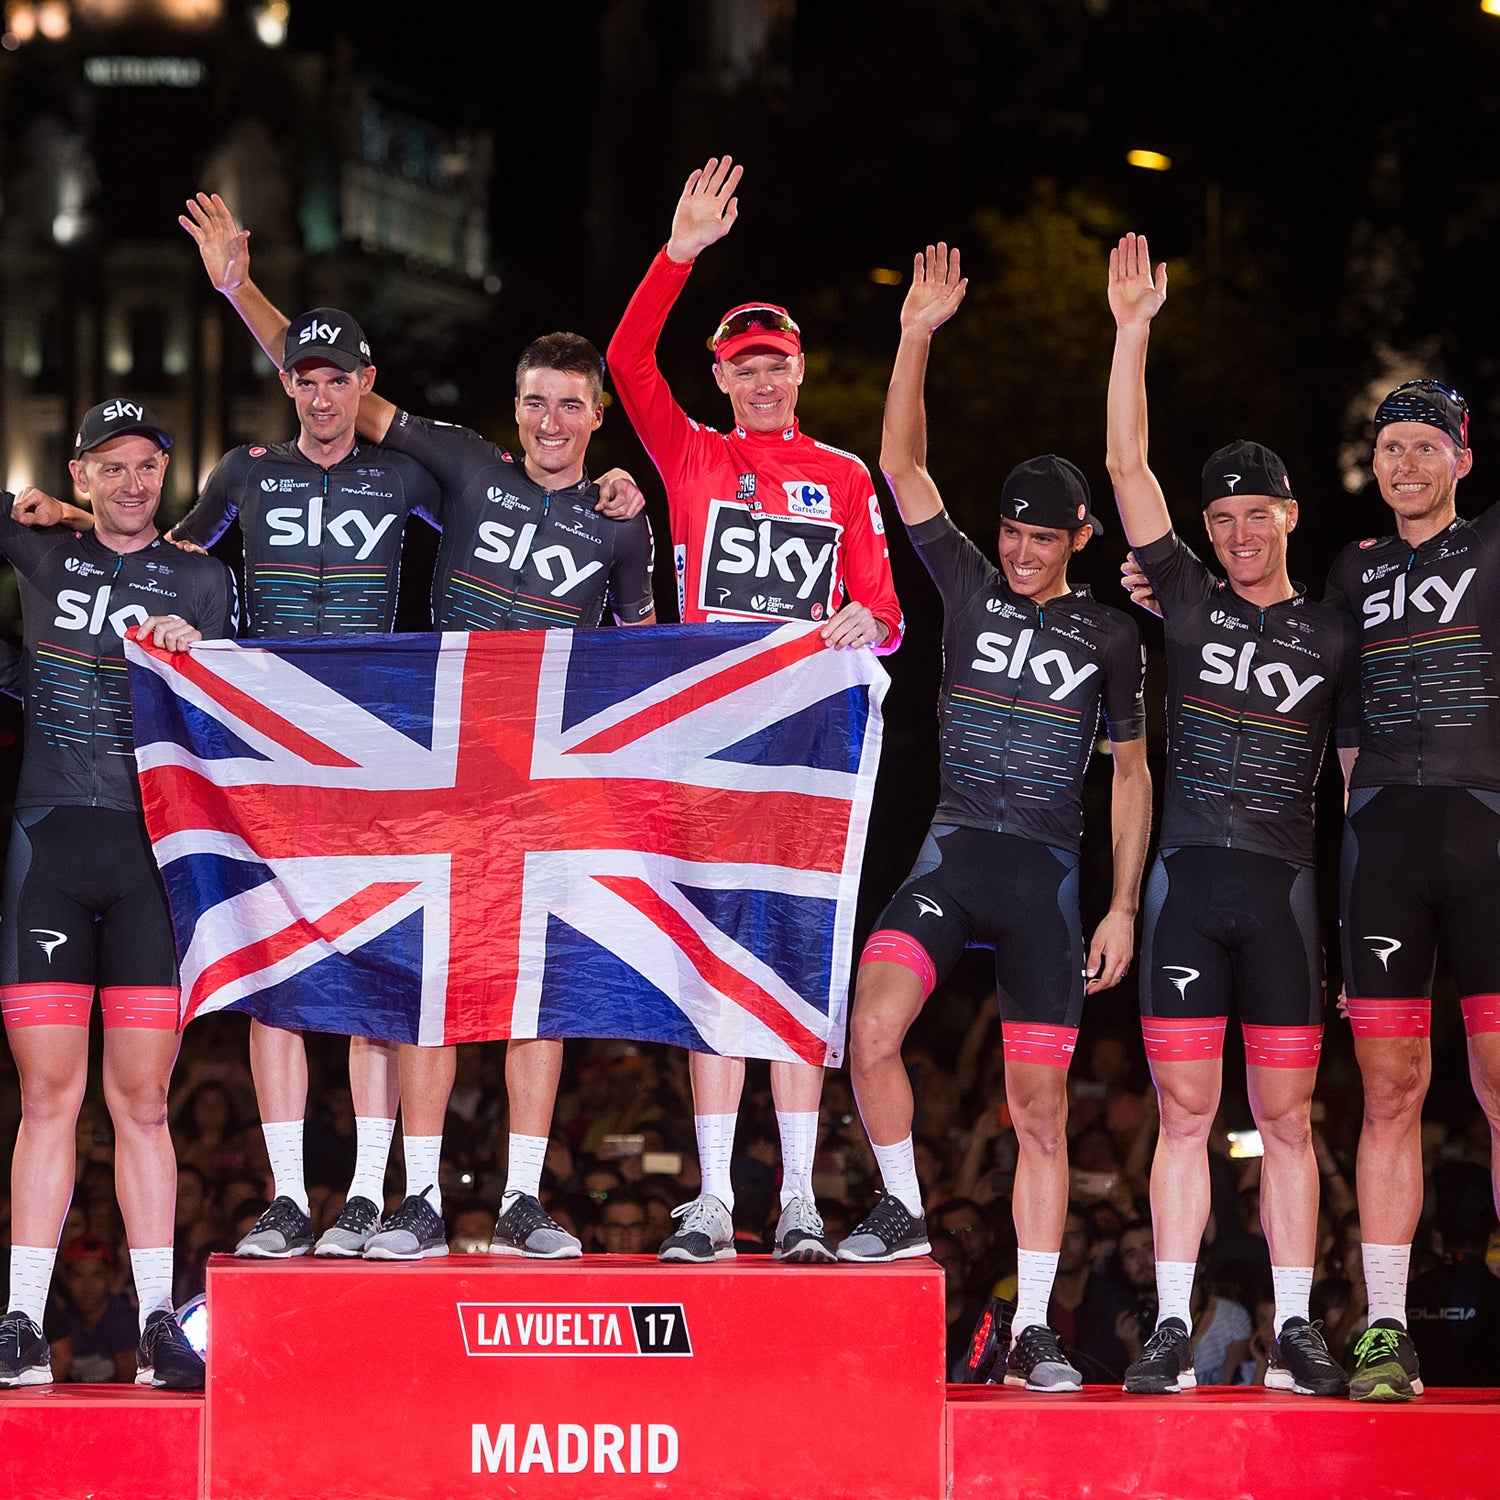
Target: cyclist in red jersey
[766,524]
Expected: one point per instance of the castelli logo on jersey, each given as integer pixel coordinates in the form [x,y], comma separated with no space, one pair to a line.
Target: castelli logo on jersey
[257,453]
[1372,541]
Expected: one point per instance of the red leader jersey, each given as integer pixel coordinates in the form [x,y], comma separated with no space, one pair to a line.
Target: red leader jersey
[764,525]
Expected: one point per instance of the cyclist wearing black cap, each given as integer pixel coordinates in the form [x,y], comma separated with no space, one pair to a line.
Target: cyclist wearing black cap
[1420,862]
[1028,665]
[526,545]
[1256,674]
[83,904]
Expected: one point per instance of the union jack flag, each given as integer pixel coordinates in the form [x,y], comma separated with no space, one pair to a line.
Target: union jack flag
[652,834]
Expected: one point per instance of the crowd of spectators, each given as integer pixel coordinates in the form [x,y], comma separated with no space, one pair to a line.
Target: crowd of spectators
[622,1157]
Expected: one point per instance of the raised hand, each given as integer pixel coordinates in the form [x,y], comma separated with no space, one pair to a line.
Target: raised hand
[707,209]
[34,507]
[224,246]
[1134,296]
[937,289]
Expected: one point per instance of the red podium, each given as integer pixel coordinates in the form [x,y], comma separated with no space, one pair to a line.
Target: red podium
[616,1376]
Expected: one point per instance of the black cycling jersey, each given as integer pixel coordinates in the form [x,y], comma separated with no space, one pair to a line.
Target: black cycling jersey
[1023,686]
[322,546]
[516,556]
[77,597]
[1429,625]
[1250,696]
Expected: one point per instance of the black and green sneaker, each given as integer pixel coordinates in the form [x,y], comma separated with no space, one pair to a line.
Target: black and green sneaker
[1385,1364]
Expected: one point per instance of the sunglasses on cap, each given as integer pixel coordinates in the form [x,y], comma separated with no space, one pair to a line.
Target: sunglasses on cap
[745,319]
[1425,386]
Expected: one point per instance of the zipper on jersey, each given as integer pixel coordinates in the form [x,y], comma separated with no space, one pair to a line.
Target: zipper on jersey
[1234,764]
[1416,681]
[322,572]
[94,694]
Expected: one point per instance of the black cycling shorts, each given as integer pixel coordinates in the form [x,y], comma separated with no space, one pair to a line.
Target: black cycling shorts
[972,888]
[1230,924]
[1420,876]
[83,906]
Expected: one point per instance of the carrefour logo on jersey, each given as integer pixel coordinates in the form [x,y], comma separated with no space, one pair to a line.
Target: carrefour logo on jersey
[1011,655]
[499,543]
[1275,679]
[803,498]
[746,557]
[291,526]
[1431,596]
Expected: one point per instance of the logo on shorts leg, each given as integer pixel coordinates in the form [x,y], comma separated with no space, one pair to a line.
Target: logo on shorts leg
[1383,953]
[1181,976]
[927,907]
[49,938]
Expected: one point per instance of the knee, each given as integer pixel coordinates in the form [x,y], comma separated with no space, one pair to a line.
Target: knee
[1289,1130]
[1394,1092]
[1041,1117]
[875,1035]
[1186,1121]
[47,1098]
[137,1105]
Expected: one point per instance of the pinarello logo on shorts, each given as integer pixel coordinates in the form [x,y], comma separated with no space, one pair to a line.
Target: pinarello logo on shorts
[257,453]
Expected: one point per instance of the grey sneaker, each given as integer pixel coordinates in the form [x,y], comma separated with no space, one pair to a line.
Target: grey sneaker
[280,1233]
[348,1235]
[888,1232]
[800,1235]
[1036,1360]
[413,1232]
[707,1232]
[526,1228]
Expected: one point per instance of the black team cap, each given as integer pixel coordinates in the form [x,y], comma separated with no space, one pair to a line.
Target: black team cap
[114,418]
[1428,401]
[1244,468]
[1048,491]
[326,333]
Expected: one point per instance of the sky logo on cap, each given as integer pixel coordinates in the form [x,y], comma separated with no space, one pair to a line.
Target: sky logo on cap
[323,333]
[128,410]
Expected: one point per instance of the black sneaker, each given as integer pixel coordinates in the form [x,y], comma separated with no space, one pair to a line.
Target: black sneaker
[1385,1364]
[347,1236]
[1167,1365]
[889,1232]
[526,1228]
[413,1232]
[1036,1360]
[1300,1362]
[25,1358]
[280,1233]
[165,1359]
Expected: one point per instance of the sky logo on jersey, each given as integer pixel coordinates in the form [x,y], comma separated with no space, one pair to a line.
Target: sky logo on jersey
[1276,679]
[1053,668]
[1429,597]
[806,499]
[751,558]
[77,610]
[291,526]
[500,543]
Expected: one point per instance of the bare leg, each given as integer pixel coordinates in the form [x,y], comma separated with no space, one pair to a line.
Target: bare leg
[1038,1098]
[137,1069]
[278,1064]
[52,1062]
[1281,1100]
[1189,1097]
[533,1067]
[1396,1071]
[374,1077]
[887,999]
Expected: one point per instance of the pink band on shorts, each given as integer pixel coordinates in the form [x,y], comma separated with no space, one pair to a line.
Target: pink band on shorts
[1407,1017]
[1036,1042]
[1481,1013]
[141,1007]
[1183,1038]
[891,947]
[46,1004]
[1283,1046]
